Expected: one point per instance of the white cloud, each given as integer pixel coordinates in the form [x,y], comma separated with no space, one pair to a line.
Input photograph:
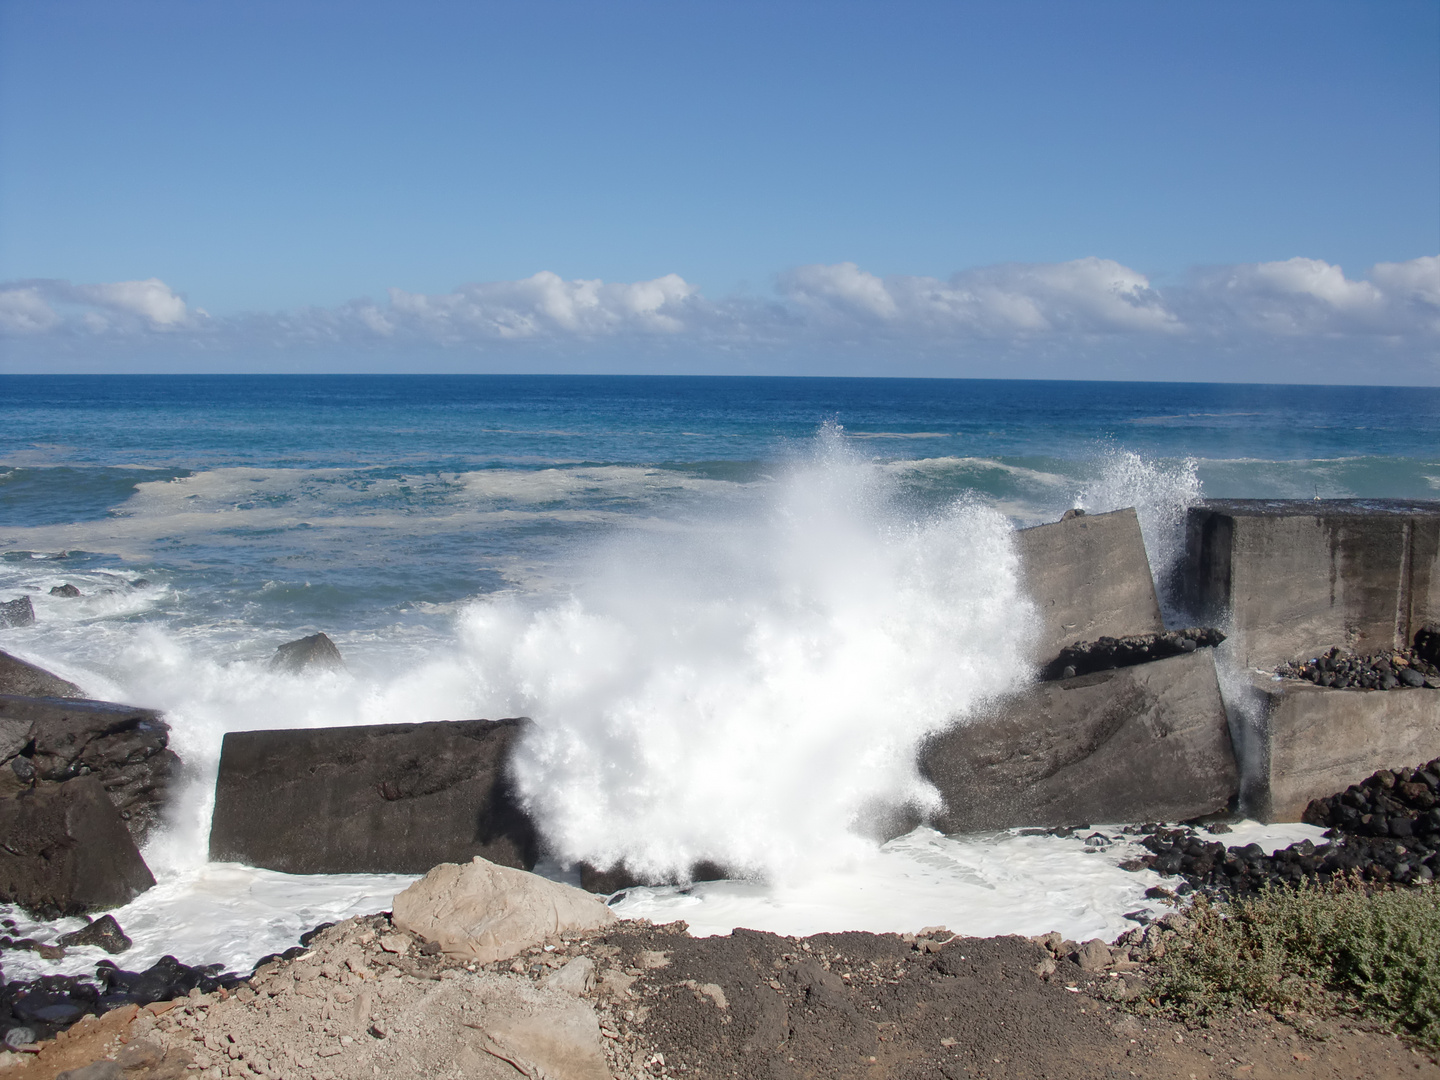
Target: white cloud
[1087,296]
[544,305]
[37,306]
[1059,311]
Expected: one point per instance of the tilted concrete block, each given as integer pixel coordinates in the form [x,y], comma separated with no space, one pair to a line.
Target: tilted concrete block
[393,798]
[1312,741]
[1089,577]
[65,851]
[1288,578]
[1143,743]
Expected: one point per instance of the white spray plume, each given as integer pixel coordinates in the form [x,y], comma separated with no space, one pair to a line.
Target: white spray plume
[1161,493]
[743,691]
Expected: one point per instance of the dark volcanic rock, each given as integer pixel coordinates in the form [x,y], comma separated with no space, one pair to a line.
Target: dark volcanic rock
[1108,653]
[18,677]
[393,798]
[1387,670]
[104,933]
[1143,742]
[125,746]
[64,850]
[65,590]
[17,613]
[1427,644]
[315,651]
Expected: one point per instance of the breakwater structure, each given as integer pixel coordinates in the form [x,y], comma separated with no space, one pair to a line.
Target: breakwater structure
[1251,709]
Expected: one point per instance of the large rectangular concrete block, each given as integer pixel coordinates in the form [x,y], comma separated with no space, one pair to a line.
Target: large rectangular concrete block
[1144,743]
[1312,741]
[1288,578]
[388,799]
[1089,577]
[65,851]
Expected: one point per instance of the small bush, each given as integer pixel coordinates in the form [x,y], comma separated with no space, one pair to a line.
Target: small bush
[1334,947]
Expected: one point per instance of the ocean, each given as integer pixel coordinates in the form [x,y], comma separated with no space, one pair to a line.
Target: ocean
[732,605]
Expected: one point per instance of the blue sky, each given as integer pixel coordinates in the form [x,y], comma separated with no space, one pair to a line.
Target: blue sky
[1119,189]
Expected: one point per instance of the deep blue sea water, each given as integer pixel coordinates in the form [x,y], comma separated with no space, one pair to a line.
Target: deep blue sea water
[356,503]
[732,606]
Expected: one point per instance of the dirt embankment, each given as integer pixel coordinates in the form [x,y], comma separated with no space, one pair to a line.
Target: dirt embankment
[646,1001]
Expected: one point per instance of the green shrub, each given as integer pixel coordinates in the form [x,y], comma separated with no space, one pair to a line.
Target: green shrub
[1335,947]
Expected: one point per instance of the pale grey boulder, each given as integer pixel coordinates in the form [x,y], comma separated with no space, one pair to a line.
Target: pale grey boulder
[483,912]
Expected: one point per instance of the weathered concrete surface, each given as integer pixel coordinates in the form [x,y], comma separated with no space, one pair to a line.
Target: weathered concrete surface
[1289,577]
[394,798]
[19,677]
[1089,578]
[124,746]
[1144,743]
[1313,741]
[64,850]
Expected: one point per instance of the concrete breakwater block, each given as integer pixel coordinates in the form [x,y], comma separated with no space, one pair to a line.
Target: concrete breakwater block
[1089,578]
[19,677]
[388,799]
[125,747]
[65,851]
[1313,741]
[1291,576]
[1142,743]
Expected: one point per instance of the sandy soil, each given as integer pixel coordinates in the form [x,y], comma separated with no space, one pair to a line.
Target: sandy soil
[646,1001]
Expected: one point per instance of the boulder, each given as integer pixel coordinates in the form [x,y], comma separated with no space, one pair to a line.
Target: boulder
[1312,741]
[1142,743]
[103,933]
[64,850]
[124,746]
[483,912]
[1288,577]
[17,613]
[315,651]
[19,677]
[1089,576]
[392,798]
[66,590]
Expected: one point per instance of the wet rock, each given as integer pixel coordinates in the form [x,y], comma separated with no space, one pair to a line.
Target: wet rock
[16,613]
[64,850]
[65,590]
[316,651]
[103,933]
[1109,653]
[19,677]
[124,746]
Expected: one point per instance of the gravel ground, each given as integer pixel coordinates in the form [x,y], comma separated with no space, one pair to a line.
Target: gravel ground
[651,1001]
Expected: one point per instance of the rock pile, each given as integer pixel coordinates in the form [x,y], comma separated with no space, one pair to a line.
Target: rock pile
[37,1009]
[1109,653]
[1385,829]
[1391,669]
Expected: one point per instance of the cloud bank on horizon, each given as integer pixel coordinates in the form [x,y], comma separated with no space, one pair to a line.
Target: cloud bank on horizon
[1022,313]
